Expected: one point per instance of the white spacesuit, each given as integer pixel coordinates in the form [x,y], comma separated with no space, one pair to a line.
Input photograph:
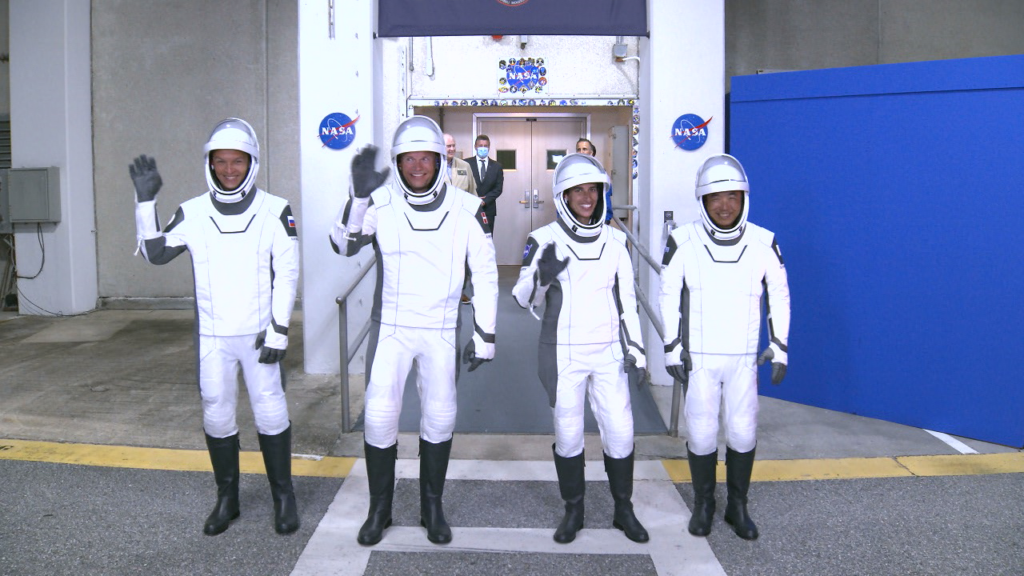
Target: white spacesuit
[425,232]
[244,251]
[590,337]
[714,275]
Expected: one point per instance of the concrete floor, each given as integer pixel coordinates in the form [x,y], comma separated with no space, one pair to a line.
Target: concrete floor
[127,378]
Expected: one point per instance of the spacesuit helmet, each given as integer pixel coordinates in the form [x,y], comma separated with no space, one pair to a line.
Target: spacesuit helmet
[419,134]
[722,173]
[232,134]
[575,170]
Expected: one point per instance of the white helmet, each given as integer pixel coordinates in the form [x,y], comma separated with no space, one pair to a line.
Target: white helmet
[722,173]
[572,171]
[419,134]
[232,134]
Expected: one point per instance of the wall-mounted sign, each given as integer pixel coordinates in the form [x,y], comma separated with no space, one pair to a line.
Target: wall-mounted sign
[522,76]
[690,131]
[337,130]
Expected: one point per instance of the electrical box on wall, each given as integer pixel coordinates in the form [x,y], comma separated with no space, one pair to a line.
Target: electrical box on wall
[5,212]
[33,195]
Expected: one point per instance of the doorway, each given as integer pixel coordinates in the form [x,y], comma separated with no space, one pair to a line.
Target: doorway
[528,146]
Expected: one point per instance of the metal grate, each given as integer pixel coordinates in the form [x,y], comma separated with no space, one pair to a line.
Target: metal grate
[5,143]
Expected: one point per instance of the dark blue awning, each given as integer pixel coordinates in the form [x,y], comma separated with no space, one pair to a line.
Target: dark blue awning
[493,17]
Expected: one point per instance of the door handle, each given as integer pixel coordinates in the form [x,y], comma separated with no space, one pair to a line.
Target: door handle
[536,200]
[526,198]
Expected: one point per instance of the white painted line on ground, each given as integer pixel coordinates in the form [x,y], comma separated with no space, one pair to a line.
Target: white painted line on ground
[333,549]
[953,442]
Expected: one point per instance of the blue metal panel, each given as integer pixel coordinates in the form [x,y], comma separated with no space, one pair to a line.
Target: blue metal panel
[900,215]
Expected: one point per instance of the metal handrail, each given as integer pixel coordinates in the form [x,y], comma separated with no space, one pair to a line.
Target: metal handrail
[347,354]
[673,429]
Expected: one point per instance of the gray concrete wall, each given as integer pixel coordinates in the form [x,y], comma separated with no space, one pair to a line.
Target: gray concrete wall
[163,74]
[779,35]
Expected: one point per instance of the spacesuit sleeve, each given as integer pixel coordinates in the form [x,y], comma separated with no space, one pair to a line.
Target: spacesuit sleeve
[777,303]
[528,291]
[285,264]
[629,319]
[671,291]
[482,265]
[158,247]
[353,243]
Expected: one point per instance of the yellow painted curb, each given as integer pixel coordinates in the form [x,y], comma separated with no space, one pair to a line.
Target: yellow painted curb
[158,458]
[964,464]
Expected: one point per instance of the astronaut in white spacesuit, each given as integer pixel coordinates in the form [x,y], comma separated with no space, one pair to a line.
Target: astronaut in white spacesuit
[425,232]
[590,337]
[245,263]
[715,272]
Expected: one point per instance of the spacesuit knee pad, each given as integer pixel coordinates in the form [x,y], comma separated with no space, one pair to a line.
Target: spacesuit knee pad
[437,423]
[742,435]
[381,425]
[219,424]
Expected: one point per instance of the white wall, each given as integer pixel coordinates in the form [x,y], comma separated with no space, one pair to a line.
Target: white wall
[51,125]
[695,86]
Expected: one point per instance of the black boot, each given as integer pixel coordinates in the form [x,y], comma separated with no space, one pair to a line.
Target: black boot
[380,473]
[277,457]
[433,469]
[224,458]
[738,467]
[620,480]
[702,474]
[573,485]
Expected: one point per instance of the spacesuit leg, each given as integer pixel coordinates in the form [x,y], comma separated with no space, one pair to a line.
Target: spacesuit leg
[741,404]
[435,381]
[703,397]
[392,360]
[610,401]
[569,398]
[265,383]
[218,386]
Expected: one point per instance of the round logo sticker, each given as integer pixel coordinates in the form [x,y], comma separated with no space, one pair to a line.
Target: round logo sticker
[337,130]
[690,131]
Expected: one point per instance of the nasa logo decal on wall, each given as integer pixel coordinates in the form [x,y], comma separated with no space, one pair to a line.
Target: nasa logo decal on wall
[337,130]
[512,3]
[690,131]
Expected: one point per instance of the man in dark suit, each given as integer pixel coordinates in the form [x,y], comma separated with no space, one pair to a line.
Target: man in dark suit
[489,176]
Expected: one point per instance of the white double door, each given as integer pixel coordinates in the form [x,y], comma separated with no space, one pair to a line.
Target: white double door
[525,204]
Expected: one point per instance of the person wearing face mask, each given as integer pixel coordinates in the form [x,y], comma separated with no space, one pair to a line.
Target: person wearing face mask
[716,274]
[245,263]
[489,177]
[425,233]
[590,342]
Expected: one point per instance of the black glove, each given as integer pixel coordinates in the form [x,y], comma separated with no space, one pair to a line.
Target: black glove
[778,368]
[469,357]
[549,265]
[145,177]
[365,178]
[681,372]
[636,376]
[268,355]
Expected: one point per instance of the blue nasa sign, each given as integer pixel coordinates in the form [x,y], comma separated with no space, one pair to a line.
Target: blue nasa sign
[337,130]
[690,131]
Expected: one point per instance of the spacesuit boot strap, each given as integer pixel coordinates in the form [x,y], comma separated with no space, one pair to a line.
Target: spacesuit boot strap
[433,469]
[738,468]
[573,486]
[380,474]
[702,475]
[277,457]
[620,480]
[224,459]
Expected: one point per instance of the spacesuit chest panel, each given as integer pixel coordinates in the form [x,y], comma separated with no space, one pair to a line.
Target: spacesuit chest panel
[423,255]
[231,260]
[725,297]
[589,314]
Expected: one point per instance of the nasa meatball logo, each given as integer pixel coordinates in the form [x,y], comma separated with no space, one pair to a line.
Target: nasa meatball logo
[690,131]
[337,130]
[512,3]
